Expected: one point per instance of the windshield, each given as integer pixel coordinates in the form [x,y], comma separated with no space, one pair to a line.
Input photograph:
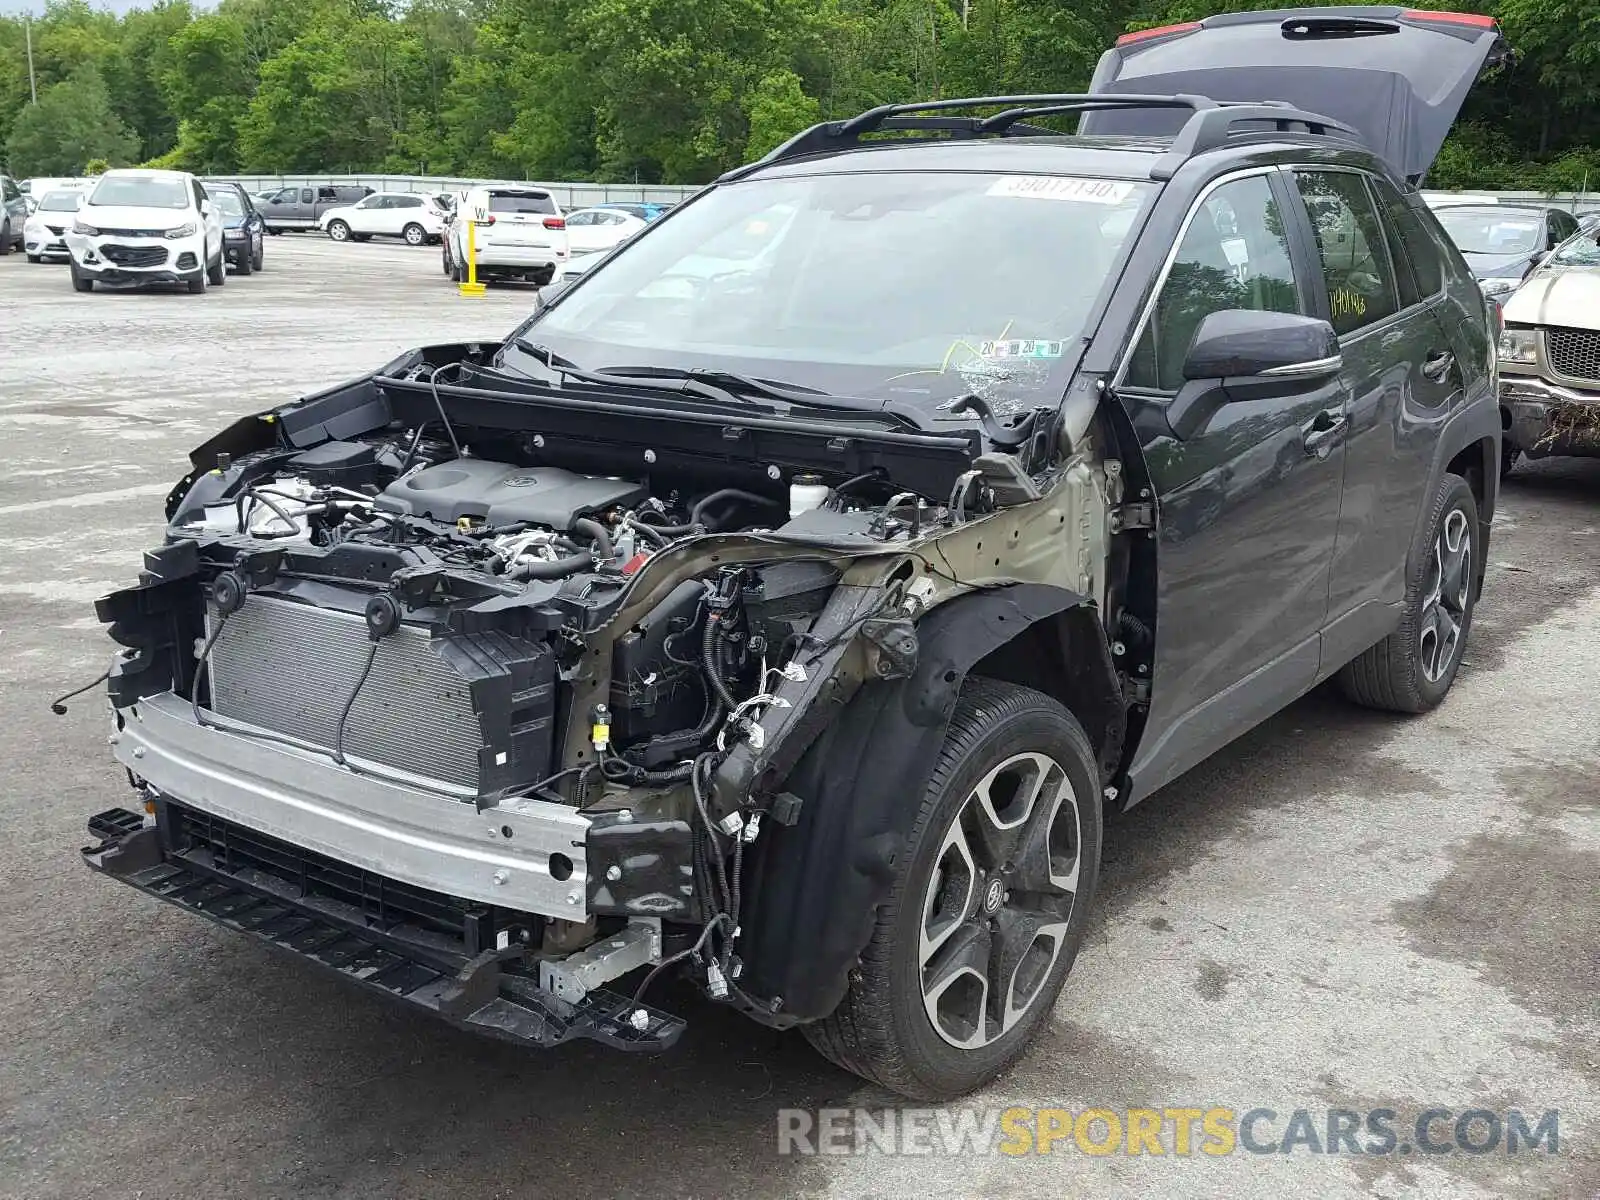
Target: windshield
[228,201]
[1492,231]
[60,202]
[1580,251]
[918,287]
[141,191]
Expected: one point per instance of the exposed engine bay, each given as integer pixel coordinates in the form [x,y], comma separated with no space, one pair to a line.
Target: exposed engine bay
[547,691]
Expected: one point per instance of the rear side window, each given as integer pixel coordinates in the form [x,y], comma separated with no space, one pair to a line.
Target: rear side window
[406,202]
[9,190]
[1352,246]
[521,202]
[1416,247]
[1234,255]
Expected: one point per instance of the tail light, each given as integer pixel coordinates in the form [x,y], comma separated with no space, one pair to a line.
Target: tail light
[1144,35]
[489,220]
[555,222]
[1449,18]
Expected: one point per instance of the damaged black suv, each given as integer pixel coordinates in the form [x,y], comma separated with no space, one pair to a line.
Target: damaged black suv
[784,603]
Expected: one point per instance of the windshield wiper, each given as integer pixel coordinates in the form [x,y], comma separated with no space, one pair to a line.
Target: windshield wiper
[724,385]
[567,369]
[788,393]
[747,385]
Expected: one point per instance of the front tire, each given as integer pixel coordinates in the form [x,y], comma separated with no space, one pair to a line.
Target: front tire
[1412,669]
[217,273]
[258,259]
[243,266]
[34,258]
[1509,456]
[5,237]
[989,906]
[338,231]
[80,281]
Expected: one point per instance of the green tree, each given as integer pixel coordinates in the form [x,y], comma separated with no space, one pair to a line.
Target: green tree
[777,108]
[72,123]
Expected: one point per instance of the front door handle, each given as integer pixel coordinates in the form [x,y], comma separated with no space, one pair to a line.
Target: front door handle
[1323,430]
[1437,365]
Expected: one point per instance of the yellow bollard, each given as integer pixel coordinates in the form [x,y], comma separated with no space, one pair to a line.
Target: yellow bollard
[472,287]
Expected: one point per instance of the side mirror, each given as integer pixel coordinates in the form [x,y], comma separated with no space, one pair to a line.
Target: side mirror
[549,292]
[1240,354]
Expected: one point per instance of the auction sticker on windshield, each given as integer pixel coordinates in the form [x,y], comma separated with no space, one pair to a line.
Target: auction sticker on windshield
[1063,187]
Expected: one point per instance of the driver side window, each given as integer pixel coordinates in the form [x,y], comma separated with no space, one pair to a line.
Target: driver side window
[1234,254]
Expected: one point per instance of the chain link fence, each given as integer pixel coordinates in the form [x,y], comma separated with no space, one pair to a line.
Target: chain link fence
[568,195]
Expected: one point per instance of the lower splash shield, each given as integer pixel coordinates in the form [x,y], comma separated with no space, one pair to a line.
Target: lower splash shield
[488,993]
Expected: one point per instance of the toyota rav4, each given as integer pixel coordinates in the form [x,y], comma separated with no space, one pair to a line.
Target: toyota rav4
[785,603]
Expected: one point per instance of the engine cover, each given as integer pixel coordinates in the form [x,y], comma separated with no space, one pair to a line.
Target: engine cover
[502,494]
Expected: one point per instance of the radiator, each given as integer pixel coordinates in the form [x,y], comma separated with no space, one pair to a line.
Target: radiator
[290,668]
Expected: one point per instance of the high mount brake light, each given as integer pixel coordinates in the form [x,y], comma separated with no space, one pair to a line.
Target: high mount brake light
[1144,35]
[1449,18]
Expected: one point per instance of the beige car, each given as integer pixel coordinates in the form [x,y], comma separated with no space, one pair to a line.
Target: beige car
[1550,357]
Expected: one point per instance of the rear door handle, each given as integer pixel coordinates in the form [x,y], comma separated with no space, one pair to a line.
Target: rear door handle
[1437,365]
[1323,430]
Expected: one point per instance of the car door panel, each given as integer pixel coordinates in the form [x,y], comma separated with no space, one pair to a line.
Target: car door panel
[1248,505]
[1402,385]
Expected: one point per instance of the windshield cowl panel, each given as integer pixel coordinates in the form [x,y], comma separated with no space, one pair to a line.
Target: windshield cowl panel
[912,288]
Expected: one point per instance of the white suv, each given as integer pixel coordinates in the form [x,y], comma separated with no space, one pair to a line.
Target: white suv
[518,232]
[147,227]
[409,215]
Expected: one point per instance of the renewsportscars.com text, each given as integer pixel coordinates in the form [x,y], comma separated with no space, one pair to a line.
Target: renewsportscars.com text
[1176,1131]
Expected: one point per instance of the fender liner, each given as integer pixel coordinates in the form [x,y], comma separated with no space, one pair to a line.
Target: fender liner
[815,887]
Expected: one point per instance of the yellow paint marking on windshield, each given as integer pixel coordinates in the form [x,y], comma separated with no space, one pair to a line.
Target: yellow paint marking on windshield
[958,344]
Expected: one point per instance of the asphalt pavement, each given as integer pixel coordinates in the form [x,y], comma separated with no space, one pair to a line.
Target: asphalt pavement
[1343,910]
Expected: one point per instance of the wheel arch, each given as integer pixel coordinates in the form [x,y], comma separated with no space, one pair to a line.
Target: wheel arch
[1470,446]
[815,886]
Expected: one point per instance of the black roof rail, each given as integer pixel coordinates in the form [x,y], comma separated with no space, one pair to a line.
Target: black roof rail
[1214,126]
[1209,126]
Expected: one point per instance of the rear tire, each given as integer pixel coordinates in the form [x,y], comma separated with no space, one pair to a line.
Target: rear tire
[338,231]
[80,281]
[1509,457]
[414,234]
[993,892]
[1412,669]
[5,237]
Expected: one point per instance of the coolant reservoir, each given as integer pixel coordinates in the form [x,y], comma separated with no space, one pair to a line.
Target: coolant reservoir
[805,493]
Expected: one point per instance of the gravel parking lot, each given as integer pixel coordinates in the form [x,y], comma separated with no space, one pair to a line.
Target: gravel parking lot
[1343,910]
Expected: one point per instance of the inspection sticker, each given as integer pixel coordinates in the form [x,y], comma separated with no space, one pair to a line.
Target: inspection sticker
[1022,348]
[1061,187]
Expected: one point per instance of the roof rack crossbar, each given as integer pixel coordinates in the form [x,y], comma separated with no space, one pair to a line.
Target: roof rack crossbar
[1210,124]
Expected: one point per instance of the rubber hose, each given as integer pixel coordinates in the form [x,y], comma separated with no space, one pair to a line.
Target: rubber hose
[697,513]
[597,534]
[650,533]
[558,569]
[1134,629]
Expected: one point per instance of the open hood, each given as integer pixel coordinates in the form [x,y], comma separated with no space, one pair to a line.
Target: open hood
[1397,75]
